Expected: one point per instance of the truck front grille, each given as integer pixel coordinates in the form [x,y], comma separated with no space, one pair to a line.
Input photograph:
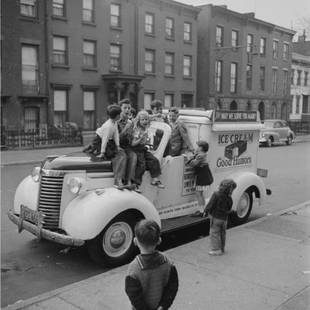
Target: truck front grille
[50,198]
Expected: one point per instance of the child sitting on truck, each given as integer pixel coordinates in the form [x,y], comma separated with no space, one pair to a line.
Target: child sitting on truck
[152,280]
[106,144]
[145,159]
[202,172]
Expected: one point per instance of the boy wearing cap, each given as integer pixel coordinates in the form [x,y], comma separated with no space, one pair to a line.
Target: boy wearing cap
[152,280]
[218,207]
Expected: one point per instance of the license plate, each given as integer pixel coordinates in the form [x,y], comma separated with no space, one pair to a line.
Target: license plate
[35,217]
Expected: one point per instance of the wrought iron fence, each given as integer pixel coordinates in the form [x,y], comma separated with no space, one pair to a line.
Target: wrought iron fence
[300,128]
[36,138]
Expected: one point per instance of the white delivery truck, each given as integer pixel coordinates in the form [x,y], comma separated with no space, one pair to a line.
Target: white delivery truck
[71,199]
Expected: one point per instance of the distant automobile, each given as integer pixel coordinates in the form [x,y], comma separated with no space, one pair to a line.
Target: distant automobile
[275,130]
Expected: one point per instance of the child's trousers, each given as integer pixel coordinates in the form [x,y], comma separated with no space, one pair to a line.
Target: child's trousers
[217,234]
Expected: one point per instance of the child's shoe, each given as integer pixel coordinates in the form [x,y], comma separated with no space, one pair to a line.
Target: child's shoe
[156,182]
[215,253]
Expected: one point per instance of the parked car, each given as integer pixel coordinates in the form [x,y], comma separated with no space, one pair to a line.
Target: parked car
[275,130]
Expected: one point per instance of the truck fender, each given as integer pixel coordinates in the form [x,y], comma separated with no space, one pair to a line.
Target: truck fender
[245,180]
[87,214]
[27,193]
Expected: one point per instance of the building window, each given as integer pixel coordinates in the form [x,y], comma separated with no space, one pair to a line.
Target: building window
[28,8]
[249,46]
[187,32]
[219,36]
[168,101]
[148,98]
[115,57]
[286,87]
[292,76]
[305,103]
[60,107]
[187,66]
[30,70]
[89,103]
[31,118]
[169,63]
[298,77]
[60,50]
[115,15]
[274,110]
[297,110]
[149,65]
[275,47]
[169,28]
[186,100]
[286,49]
[218,76]
[89,53]
[59,8]
[233,77]
[234,38]
[262,73]
[262,46]
[274,81]
[149,23]
[88,11]
[249,77]
[233,106]
[306,78]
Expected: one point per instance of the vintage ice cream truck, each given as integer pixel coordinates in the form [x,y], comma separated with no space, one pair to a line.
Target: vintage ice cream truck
[71,199]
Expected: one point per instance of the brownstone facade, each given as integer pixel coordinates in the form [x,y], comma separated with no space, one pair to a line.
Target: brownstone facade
[243,63]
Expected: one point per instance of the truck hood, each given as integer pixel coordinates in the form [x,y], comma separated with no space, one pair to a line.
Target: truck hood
[77,161]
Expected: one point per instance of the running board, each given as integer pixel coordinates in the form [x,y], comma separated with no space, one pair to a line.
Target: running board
[169,225]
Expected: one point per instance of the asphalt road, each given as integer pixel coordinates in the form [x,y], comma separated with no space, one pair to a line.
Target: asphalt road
[29,267]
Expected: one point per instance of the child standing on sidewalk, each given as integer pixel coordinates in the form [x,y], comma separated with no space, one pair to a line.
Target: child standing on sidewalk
[218,207]
[152,280]
[202,171]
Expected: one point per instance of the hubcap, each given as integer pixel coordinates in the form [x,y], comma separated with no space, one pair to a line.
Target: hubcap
[117,239]
[243,205]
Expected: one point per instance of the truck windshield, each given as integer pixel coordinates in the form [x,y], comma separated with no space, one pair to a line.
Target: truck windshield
[268,124]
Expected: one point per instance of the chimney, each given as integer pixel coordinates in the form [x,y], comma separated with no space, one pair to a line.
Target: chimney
[249,15]
[302,38]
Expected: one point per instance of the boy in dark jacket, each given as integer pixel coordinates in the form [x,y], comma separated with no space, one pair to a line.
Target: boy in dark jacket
[218,207]
[152,280]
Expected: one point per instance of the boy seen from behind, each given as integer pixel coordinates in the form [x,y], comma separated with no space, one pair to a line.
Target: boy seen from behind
[152,280]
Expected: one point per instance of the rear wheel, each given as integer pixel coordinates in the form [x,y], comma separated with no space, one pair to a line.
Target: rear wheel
[114,245]
[243,209]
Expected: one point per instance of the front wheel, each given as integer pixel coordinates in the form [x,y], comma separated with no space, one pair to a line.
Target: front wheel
[243,210]
[289,140]
[114,245]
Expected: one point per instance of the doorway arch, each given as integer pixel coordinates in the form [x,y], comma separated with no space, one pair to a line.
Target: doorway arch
[233,105]
[261,110]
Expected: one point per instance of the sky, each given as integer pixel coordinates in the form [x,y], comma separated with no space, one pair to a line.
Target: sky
[285,13]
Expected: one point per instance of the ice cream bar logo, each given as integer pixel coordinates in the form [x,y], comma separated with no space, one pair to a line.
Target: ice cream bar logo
[235,149]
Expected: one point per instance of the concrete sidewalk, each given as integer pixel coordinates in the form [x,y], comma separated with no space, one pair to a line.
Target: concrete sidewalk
[267,266]
[34,156]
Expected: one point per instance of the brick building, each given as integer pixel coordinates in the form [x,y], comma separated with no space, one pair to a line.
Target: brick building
[90,53]
[24,84]
[300,84]
[243,63]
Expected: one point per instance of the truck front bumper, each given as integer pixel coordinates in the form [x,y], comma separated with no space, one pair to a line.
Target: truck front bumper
[44,233]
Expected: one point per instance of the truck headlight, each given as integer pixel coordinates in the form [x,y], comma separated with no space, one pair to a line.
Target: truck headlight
[35,174]
[75,184]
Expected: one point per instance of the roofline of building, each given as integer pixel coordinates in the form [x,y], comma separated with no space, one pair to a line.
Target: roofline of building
[196,9]
[248,16]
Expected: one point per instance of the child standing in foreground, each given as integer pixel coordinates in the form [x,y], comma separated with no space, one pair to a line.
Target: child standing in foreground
[152,280]
[200,165]
[219,207]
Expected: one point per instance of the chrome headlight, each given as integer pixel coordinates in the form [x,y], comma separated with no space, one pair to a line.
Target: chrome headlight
[35,174]
[75,184]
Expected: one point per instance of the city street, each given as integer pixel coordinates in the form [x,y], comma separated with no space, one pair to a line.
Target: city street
[24,259]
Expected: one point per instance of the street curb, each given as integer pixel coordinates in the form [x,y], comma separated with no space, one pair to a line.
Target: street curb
[54,293]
